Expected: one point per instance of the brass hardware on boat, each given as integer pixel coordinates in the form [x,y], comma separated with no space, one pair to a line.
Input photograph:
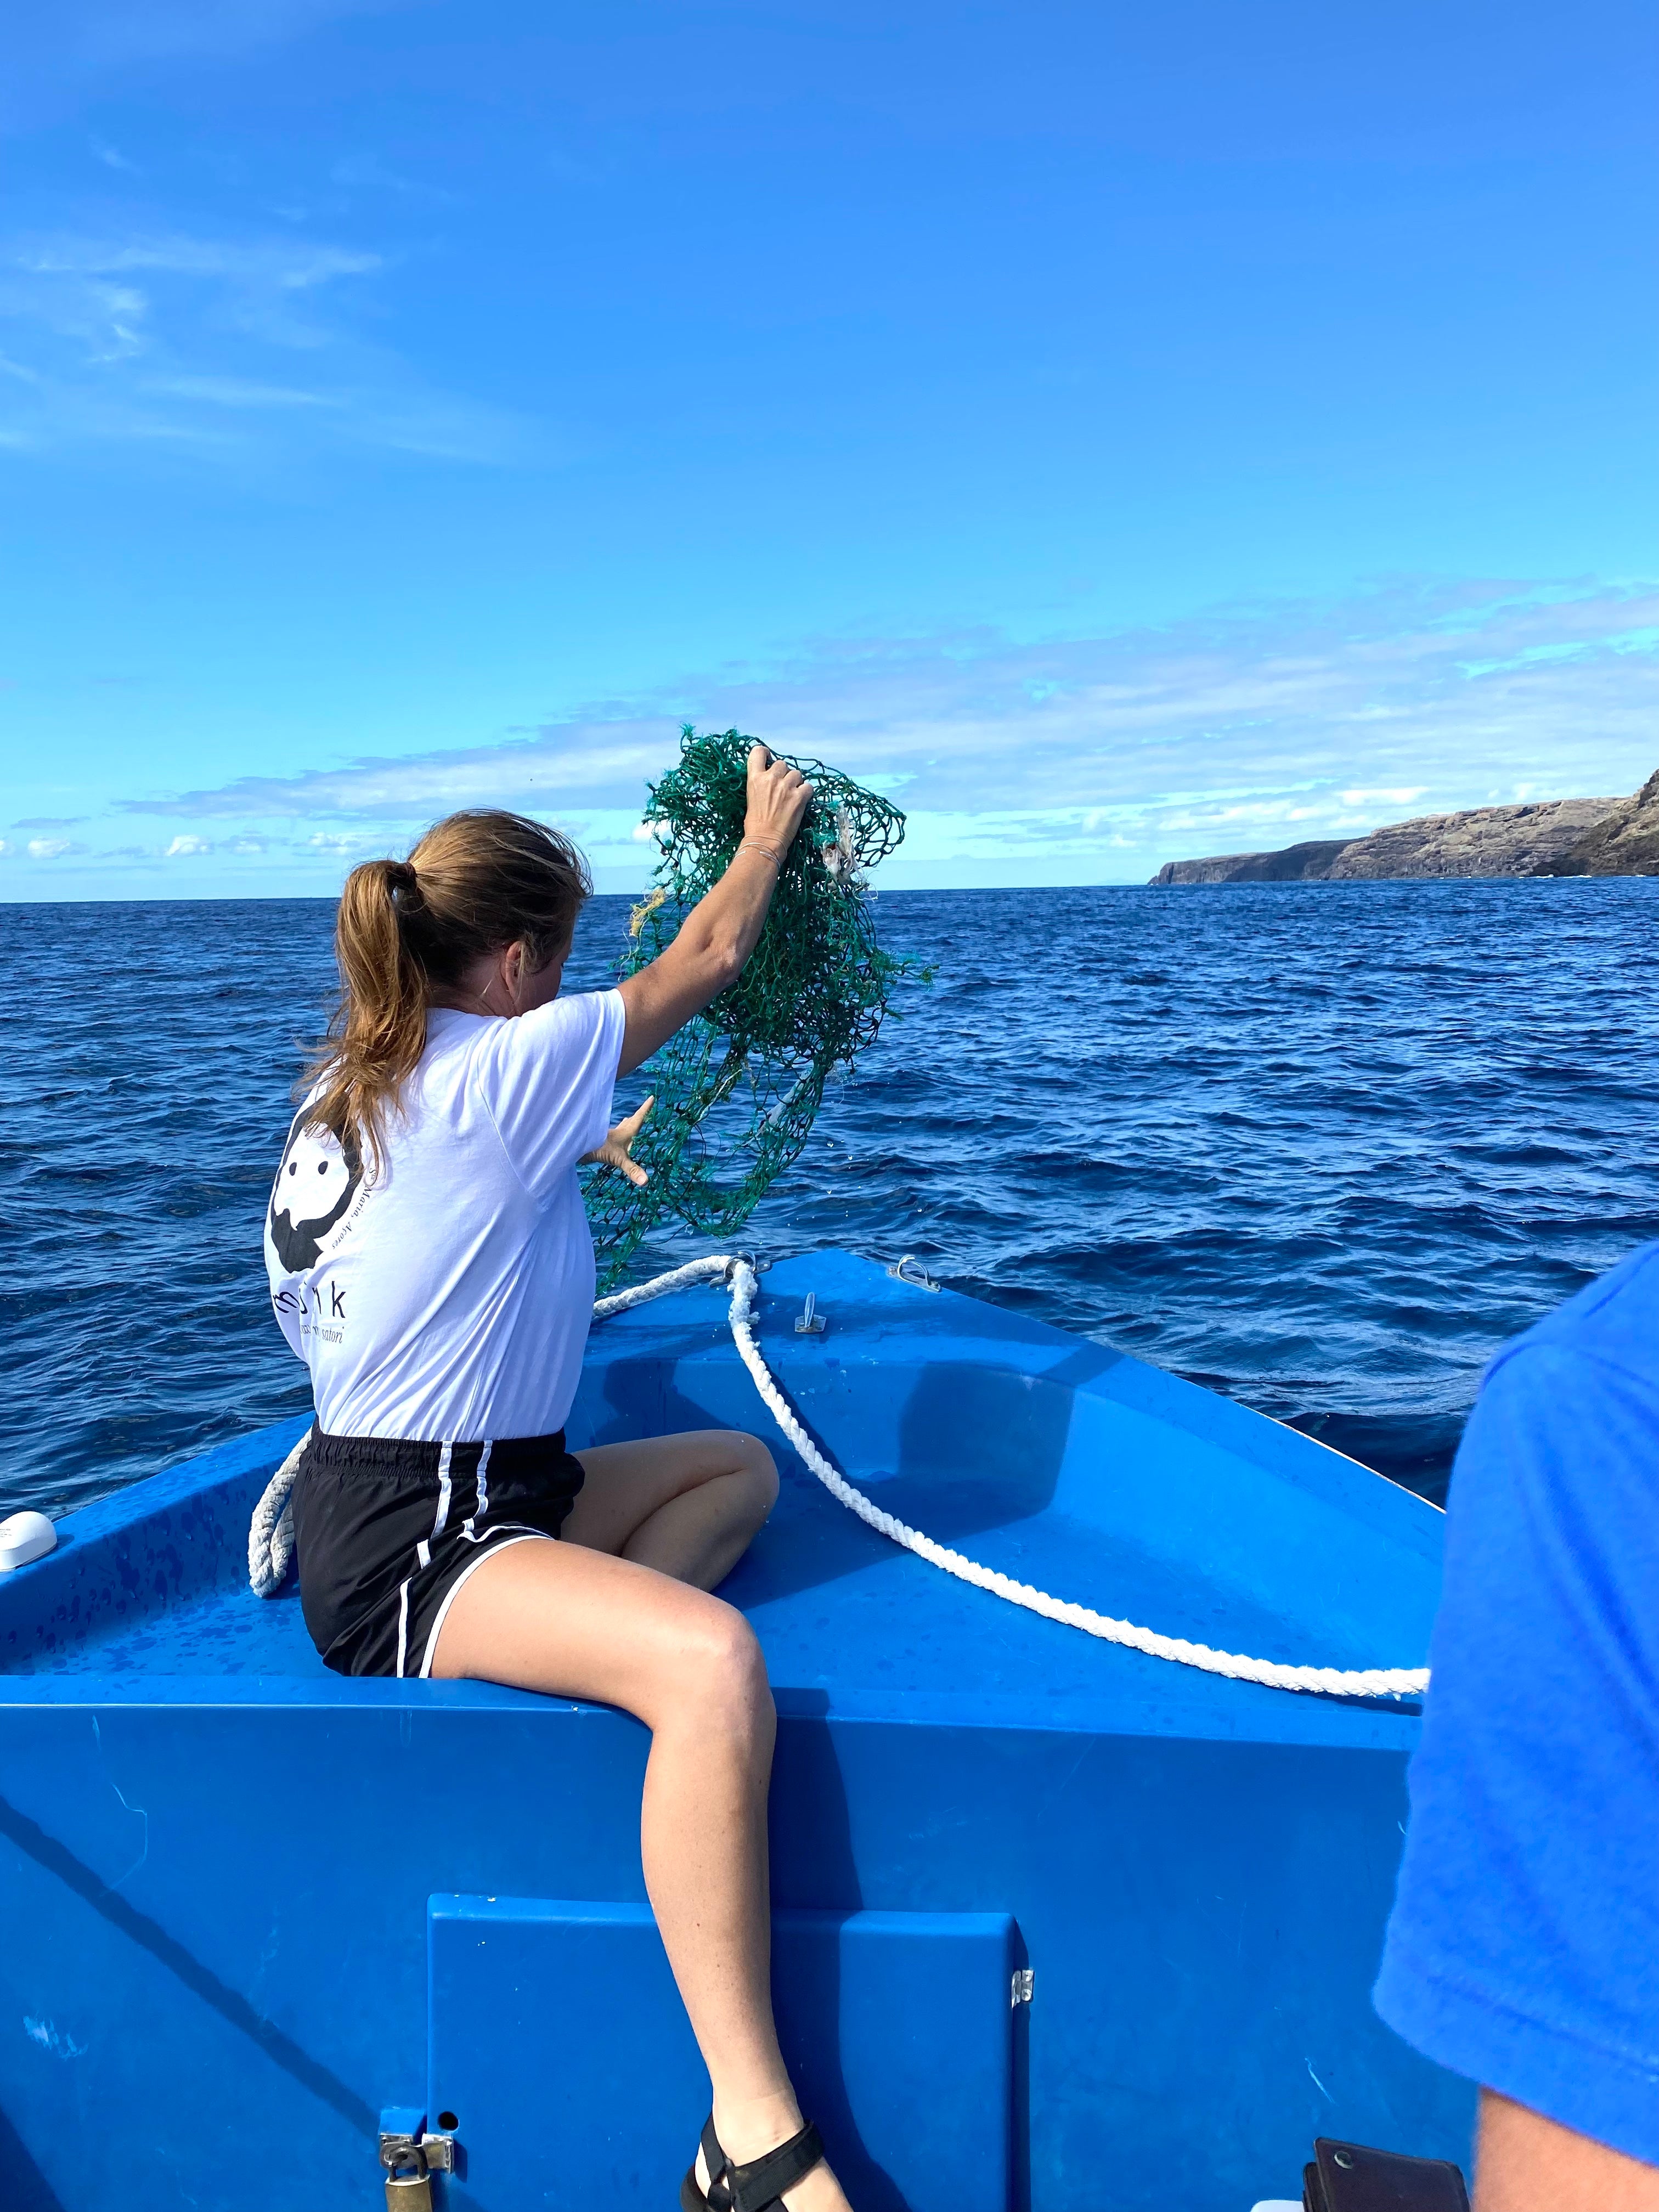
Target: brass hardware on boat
[810,1323]
[410,2162]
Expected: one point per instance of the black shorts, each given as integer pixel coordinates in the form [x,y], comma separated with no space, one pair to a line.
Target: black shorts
[386,1532]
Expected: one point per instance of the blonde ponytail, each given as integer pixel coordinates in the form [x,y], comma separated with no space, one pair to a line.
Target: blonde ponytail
[475,882]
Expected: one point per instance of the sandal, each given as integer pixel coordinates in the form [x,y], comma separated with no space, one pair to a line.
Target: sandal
[757,2187]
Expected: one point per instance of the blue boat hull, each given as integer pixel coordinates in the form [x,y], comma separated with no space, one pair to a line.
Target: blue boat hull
[246,1907]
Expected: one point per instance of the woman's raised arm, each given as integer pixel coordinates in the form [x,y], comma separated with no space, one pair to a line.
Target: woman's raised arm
[720,932]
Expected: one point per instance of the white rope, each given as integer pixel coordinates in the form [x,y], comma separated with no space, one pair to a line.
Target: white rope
[271,1532]
[273,1516]
[678,1279]
[1368,1682]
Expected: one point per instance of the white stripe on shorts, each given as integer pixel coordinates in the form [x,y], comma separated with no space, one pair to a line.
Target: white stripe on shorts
[423,1549]
[498,1540]
[468,1529]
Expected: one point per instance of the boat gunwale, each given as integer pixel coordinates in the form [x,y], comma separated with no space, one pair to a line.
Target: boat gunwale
[1131,1702]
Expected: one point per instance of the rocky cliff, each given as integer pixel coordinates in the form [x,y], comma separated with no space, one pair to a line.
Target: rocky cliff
[1624,842]
[1297,864]
[1553,837]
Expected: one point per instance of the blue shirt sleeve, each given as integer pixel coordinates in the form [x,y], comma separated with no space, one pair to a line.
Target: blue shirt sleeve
[1524,1950]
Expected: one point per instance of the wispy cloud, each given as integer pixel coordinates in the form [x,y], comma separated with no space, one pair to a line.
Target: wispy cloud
[87,288]
[57,55]
[1246,727]
[366,173]
[164,338]
[570,764]
[1403,797]
[239,391]
[112,31]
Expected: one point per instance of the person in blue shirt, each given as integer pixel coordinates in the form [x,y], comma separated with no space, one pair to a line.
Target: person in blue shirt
[1523,1949]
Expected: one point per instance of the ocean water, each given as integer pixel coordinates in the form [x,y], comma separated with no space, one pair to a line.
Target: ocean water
[1320,1147]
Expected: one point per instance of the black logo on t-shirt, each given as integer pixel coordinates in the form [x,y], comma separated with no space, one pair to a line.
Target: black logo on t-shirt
[315,1184]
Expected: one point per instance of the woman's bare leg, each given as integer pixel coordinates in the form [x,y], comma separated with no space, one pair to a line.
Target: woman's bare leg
[688,1505]
[571,1620]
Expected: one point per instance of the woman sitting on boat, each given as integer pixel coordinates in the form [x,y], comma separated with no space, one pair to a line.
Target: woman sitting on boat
[430,1262]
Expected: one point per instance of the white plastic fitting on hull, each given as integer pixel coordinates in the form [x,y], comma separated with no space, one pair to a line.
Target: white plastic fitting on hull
[24,1537]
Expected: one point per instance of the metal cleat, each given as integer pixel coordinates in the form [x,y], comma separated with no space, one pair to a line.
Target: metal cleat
[909,1269]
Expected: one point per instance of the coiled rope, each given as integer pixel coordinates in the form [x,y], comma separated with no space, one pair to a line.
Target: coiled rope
[271,1532]
[270,1538]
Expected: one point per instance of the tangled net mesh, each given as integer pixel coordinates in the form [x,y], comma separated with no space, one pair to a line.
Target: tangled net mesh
[737,1089]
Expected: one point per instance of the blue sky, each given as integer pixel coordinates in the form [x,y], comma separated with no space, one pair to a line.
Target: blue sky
[1118,432]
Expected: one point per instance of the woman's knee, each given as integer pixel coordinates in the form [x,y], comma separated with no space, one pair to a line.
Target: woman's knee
[722,1674]
[758,1471]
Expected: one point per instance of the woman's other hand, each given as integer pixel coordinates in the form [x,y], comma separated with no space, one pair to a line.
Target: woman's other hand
[617,1150]
[779,796]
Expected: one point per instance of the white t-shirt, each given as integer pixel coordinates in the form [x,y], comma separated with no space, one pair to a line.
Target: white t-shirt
[447,1297]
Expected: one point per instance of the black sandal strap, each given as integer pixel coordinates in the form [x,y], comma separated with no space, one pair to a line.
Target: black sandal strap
[758,2186]
[719,2196]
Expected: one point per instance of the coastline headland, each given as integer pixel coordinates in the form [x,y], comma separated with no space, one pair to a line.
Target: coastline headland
[1547,838]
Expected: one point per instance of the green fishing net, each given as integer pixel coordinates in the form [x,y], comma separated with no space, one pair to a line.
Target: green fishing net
[737,1089]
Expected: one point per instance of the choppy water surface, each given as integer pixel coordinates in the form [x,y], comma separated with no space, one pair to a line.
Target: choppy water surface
[1320,1147]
